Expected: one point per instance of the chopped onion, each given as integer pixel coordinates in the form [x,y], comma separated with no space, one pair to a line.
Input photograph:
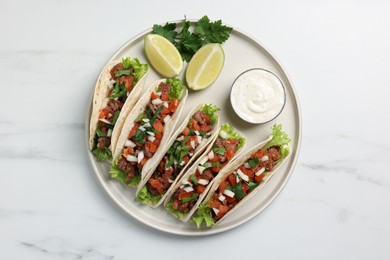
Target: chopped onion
[203,181]
[157,101]
[190,154]
[150,133]
[166,105]
[182,163]
[188,189]
[242,175]
[151,138]
[199,138]
[181,186]
[264,158]
[260,171]
[211,155]
[109,132]
[223,134]
[170,181]
[181,138]
[141,155]
[131,158]
[129,143]
[221,198]
[167,119]
[105,121]
[142,128]
[146,125]
[158,93]
[229,193]
[247,166]
[196,132]
[204,160]
[146,120]
[186,182]
[192,144]
[216,211]
[104,105]
[201,169]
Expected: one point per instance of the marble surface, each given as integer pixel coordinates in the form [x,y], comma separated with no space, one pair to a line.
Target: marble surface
[336,204]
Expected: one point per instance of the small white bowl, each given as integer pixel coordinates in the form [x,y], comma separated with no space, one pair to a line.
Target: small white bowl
[258,96]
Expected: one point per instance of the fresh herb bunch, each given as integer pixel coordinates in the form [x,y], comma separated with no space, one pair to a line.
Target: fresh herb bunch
[188,43]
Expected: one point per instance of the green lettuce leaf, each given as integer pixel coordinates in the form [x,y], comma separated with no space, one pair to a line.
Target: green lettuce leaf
[203,213]
[120,175]
[211,111]
[176,89]
[139,68]
[175,212]
[102,154]
[232,133]
[145,197]
[279,138]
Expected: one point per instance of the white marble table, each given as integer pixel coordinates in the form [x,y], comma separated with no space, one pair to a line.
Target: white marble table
[337,202]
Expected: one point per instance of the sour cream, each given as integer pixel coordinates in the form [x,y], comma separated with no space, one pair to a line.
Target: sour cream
[257,96]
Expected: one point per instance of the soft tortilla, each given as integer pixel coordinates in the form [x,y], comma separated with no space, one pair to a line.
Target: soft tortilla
[101,93]
[197,152]
[233,166]
[193,169]
[140,108]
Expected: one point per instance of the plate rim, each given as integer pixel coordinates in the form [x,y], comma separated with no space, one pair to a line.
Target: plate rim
[216,230]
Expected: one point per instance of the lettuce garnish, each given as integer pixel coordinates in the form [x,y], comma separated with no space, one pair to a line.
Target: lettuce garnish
[139,68]
[281,139]
[203,214]
[233,134]
[176,89]
[120,175]
[145,197]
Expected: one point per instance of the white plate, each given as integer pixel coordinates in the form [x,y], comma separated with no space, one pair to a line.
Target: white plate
[242,52]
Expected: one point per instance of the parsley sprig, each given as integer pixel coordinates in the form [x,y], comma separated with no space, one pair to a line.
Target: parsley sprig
[188,42]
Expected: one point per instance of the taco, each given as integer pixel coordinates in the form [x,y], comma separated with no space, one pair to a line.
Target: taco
[246,175]
[147,129]
[192,137]
[189,192]
[117,90]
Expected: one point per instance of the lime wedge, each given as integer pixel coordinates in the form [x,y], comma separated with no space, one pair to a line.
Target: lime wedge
[205,66]
[163,55]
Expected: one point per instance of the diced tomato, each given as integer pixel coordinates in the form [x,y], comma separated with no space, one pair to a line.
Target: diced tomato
[204,128]
[195,125]
[214,203]
[222,211]
[216,158]
[154,95]
[129,82]
[133,130]
[151,147]
[229,154]
[165,111]
[157,185]
[207,118]
[230,199]
[104,130]
[184,194]
[259,178]
[158,135]
[164,96]
[175,204]
[157,142]
[127,151]
[173,105]
[223,185]
[158,126]
[216,169]
[260,153]
[104,114]
[200,189]
[186,131]
[245,187]
[248,172]
[232,179]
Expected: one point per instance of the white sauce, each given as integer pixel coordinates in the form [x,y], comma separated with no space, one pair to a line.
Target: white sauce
[257,96]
